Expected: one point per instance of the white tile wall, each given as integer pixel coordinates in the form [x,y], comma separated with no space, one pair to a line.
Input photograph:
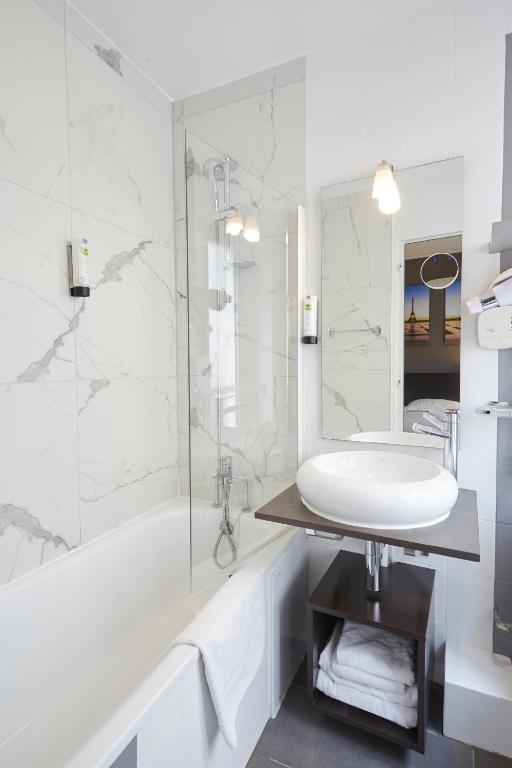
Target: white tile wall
[87,387]
[433,89]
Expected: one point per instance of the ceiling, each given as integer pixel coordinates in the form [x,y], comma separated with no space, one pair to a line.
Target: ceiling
[189,46]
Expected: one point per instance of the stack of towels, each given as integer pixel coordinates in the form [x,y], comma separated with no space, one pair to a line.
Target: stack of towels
[371,669]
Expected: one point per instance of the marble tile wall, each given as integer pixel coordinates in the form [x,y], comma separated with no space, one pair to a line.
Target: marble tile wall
[383,94]
[87,387]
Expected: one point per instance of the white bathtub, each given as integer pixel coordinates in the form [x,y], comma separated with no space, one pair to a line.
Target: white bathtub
[84,660]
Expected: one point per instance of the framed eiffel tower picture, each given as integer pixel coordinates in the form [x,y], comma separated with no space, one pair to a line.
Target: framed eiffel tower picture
[416,314]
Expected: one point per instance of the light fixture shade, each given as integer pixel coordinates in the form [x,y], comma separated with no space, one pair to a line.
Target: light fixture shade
[383,178]
[385,189]
[234,224]
[251,229]
[389,201]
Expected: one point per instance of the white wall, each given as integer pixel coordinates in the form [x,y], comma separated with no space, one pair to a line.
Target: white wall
[426,88]
[87,387]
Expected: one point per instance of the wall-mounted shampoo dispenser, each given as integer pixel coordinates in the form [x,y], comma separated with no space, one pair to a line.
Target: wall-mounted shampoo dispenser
[310,327]
[78,267]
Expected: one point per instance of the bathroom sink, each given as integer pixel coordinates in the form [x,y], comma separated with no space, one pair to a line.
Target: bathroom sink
[410,439]
[377,489]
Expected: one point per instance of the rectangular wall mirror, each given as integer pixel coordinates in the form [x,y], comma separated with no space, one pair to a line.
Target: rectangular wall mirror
[391,302]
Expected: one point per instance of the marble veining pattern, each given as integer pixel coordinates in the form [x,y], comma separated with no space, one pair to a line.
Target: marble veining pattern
[36,312]
[87,386]
[128,326]
[39,518]
[354,401]
[106,51]
[111,57]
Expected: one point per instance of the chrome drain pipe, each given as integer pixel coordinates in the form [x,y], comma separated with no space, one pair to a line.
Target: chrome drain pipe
[373,557]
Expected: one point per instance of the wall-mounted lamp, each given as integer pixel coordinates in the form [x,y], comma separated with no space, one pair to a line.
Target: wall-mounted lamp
[385,189]
[251,229]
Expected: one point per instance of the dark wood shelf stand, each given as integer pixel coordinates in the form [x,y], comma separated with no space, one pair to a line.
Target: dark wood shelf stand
[404,606]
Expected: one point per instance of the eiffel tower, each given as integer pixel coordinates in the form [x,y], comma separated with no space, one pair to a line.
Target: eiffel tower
[412,317]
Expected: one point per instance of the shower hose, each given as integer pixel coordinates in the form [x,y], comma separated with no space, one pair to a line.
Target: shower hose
[225,529]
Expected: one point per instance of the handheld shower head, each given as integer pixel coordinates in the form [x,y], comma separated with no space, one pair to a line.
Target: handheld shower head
[219,169]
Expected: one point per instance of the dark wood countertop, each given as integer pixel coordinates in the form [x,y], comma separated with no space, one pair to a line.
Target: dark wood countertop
[458,536]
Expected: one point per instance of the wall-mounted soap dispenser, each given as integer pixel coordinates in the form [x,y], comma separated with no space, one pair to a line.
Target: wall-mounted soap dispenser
[310,322]
[78,267]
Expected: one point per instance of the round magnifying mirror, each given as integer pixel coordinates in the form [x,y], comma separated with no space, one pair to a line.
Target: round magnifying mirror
[439,271]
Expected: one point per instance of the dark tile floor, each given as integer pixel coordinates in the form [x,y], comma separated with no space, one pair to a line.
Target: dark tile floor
[301,737]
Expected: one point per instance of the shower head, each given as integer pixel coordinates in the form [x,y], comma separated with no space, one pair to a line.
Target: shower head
[219,169]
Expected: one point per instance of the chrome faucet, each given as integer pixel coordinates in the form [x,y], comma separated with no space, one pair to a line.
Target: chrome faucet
[446,425]
[225,477]
[224,473]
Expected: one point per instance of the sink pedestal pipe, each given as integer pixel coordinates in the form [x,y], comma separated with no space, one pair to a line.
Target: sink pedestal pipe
[373,557]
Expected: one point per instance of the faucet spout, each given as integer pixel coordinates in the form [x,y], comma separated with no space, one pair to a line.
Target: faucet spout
[446,425]
[423,429]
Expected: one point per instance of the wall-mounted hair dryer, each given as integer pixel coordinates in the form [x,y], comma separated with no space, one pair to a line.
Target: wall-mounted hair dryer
[499,294]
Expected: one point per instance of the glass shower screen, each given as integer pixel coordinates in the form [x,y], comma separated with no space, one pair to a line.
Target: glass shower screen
[242,239]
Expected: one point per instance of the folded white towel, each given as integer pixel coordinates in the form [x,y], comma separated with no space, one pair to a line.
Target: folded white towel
[407,697]
[368,648]
[229,632]
[407,717]
[353,675]
[360,676]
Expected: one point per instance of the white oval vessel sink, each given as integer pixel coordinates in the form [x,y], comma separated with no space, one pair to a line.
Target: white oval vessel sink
[377,489]
[413,439]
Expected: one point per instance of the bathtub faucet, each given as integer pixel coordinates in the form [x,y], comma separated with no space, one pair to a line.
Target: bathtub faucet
[224,477]
[224,472]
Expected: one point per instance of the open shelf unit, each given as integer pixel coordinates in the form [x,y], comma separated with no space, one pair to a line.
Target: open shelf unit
[403,606]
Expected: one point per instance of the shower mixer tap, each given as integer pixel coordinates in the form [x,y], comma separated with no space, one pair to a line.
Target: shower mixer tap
[225,478]
[224,471]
